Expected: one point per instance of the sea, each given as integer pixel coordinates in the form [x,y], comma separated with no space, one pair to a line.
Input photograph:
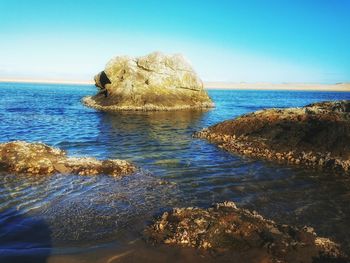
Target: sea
[71,218]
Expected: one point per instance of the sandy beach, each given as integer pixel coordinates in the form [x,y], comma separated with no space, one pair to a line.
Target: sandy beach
[48,81]
[345,87]
[278,86]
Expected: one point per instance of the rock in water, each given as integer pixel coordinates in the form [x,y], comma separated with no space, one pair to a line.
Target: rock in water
[150,83]
[39,158]
[317,135]
[227,229]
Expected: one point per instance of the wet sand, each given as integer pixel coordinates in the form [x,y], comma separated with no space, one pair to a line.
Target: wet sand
[138,251]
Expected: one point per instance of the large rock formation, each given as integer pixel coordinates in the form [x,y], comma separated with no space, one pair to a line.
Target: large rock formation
[315,135]
[152,82]
[39,158]
[248,236]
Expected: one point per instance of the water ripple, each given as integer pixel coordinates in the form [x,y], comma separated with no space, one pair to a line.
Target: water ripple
[78,211]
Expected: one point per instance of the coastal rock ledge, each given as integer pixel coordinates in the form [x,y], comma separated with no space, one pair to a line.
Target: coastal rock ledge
[317,135]
[39,158]
[242,235]
[149,83]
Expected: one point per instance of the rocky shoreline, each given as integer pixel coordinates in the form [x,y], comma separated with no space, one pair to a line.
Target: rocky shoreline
[41,159]
[317,135]
[225,228]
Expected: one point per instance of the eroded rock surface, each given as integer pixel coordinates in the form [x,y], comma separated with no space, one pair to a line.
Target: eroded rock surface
[316,135]
[225,228]
[153,82]
[39,158]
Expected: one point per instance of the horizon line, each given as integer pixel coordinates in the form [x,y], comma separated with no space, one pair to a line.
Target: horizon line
[340,86]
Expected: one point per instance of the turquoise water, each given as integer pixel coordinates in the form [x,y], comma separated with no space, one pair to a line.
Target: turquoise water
[50,216]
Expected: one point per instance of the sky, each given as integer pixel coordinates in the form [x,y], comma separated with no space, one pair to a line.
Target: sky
[232,41]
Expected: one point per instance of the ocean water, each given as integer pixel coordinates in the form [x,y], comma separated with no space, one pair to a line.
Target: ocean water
[100,219]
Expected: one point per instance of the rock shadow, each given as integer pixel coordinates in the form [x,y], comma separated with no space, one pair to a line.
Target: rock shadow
[23,238]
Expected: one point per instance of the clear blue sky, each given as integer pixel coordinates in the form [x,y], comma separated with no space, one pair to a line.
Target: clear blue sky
[243,40]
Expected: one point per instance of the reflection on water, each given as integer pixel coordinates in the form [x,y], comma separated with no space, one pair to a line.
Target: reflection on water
[97,218]
[146,135]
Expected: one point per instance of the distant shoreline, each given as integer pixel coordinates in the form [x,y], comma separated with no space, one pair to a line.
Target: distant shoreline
[47,81]
[345,87]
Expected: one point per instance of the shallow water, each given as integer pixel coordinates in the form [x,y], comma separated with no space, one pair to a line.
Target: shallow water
[93,219]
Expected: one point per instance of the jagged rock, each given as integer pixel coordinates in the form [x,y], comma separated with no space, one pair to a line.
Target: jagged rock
[225,228]
[316,135]
[152,82]
[39,158]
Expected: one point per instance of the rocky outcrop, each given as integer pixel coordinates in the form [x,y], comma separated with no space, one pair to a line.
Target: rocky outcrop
[152,82]
[39,158]
[316,135]
[225,228]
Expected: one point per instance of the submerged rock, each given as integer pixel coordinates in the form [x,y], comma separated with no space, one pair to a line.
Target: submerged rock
[39,158]
[153,82]
[316,135]
[225,228]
